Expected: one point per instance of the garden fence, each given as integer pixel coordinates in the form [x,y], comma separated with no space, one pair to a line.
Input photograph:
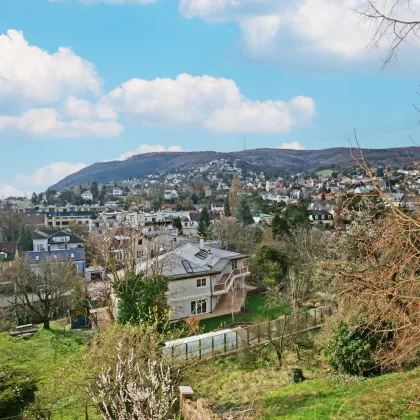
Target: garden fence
[233,340]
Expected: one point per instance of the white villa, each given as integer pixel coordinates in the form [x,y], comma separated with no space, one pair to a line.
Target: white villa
[202,280]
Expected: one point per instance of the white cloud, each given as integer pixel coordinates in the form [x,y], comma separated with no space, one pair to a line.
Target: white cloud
[85,110]
[293,145]
[310,30]
[11,191]
[208,102]
[149,148]
[48,122]
[33,75]
[48,175]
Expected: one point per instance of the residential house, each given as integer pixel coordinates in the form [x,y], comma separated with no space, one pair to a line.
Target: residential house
[202,280]
[7,255]
[217,207]
[117,192]
[170,194]
[77,256]
[321,217]
[45,240]
[87,195]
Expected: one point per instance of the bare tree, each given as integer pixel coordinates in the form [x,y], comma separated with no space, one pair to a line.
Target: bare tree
[42,288]
[10,224]
[391,23]
[233,293]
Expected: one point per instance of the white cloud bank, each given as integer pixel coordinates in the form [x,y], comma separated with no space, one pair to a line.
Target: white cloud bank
[212,103]
[314,30]
[30,76]
[293,145]
[33,75]
[40,179]
[11,191]
[47,122]
[48,175]
[44,90]
[149,148]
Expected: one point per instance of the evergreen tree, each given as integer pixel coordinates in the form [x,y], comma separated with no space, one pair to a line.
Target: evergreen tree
[278,225]
[34,199]
[94,189]
[178,225]
[24,242]
[227,208]
[204,223]
[243,212]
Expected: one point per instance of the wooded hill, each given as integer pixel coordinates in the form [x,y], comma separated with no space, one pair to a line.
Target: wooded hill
[277,160]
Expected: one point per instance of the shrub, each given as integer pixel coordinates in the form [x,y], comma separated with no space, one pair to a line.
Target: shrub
[17,389]
[296,376]
[350,351]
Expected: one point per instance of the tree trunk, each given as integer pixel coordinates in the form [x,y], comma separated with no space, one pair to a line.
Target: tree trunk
[279,356]
[46,324]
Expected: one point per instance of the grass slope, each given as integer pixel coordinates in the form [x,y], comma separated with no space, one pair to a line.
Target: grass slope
[234,383]
[43,355]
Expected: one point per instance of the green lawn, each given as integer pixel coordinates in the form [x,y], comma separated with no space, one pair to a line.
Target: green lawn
[325,172]
[44,354]
[257,310]
[377,398]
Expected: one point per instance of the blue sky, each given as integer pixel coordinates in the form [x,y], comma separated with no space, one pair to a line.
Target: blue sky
[91,80]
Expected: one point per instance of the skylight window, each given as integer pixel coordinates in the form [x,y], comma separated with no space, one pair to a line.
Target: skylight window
[202,254]
[187,266]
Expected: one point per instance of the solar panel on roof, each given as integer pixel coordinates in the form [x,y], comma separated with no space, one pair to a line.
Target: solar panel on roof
[187,266]
[202,254]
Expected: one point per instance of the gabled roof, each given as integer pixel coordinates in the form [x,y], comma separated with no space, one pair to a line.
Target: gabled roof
[51,233]
[187,261]
[8,247]
[60,254]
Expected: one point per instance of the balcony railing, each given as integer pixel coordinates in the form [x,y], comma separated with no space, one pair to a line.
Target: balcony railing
[225,284]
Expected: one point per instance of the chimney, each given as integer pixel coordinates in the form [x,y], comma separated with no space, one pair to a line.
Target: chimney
[202,243]
[209,258]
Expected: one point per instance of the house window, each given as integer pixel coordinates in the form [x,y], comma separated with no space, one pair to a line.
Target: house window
[234,265]
[62,246]
[201,282]
[140,242]
[140,254]
[40,247]
[198,307]
[3,256]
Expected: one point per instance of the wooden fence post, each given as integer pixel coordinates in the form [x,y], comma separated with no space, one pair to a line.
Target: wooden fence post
[186,351]
[321,316]
[247,336]
[258,333]
[199,349]
[212,345]
[315,311]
